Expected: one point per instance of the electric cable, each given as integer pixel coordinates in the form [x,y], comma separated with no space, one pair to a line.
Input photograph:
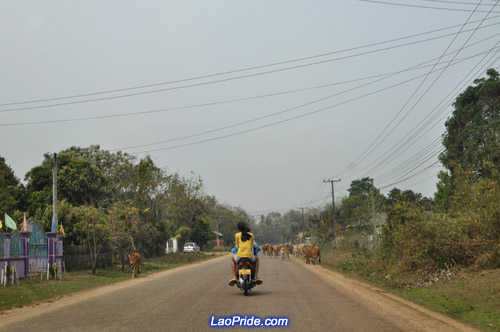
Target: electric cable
[419,6]
[220,80]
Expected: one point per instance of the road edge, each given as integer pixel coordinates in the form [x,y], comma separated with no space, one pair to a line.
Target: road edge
[11,316]
[406,314]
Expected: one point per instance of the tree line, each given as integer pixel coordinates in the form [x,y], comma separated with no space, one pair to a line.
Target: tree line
[116,199]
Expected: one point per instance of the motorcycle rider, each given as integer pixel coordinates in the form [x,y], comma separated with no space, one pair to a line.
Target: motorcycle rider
[245,243]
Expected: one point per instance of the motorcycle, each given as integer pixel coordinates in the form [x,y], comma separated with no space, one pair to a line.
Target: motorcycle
[246,275]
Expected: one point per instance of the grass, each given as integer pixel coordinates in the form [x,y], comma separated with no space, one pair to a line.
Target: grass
[472,297]
[30,291]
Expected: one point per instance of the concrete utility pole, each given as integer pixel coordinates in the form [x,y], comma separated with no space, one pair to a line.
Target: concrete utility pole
[333,205]
[373,210]
[303,220]
[54,190]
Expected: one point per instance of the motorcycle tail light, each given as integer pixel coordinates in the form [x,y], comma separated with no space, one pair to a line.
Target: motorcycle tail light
[244,263]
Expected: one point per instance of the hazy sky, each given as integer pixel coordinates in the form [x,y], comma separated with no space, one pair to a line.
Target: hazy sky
[261,99]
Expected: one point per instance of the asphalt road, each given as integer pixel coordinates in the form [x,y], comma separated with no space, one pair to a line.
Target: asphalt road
[186,299]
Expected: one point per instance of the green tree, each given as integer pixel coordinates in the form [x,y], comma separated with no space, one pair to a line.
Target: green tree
[79,182]
[12,192]
[472,137]
[93,230]
[117,167]
[357,208]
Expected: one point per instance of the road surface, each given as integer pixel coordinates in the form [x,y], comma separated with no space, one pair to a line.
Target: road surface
[193,297]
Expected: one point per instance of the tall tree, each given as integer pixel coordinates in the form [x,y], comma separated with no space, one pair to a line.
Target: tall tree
[472,137]
[79,182]
[12,192]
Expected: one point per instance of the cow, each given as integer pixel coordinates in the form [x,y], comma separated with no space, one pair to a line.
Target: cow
[312,254]
[287,251]
[276,250]
[264,248]
[270,250]
[135,262]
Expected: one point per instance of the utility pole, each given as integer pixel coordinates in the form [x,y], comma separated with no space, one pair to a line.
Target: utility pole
[54,190]
[373,210]
[303,220]
[333,205]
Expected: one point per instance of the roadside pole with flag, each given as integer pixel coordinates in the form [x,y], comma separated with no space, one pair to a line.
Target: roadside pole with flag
[25,223]
[9,222]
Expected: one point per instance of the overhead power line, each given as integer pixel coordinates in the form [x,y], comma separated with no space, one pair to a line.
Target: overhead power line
[425,7]
[277,122]
[460,3]
[411,176]
[422,154]
[377,142]
[99,117]
[224,73]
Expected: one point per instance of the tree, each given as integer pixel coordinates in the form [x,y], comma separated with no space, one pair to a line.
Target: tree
[79,182]
[12,192]
[360,187]
[396,195]
[186,206]
[357,208]
[117,168]
[121,219]
[93,231]
[472,137]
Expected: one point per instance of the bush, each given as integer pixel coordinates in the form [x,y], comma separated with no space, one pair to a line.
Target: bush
[467,236]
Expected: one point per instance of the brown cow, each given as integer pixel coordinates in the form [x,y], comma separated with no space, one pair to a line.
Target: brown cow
[313,254]
[135,262]
[270,250]
[288,250]
[264,248]
[276,250]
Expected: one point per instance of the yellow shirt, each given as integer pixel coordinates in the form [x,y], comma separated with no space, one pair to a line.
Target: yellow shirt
[244,248]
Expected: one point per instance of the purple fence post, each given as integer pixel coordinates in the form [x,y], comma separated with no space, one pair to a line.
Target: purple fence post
[25,235]
[51,252]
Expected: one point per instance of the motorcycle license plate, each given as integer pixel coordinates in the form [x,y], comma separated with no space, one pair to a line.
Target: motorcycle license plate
[245,271]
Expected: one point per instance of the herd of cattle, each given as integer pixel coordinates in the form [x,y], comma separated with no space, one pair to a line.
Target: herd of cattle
[311,253]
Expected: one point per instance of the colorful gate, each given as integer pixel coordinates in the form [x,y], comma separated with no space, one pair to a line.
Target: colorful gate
[37,247]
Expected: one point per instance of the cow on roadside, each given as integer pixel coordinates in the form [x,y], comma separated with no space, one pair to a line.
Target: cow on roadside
[264,248]
[135,262]
[270,250]
[288,248]
[276,250]
[313,254]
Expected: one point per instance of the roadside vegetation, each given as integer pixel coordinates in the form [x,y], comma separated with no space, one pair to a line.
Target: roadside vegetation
[442,252]
[35,291]
[112,199]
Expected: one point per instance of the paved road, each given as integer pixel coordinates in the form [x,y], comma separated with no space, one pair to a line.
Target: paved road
[185,299]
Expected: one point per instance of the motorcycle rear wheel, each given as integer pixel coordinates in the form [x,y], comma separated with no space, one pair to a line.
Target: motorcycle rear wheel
[245,287]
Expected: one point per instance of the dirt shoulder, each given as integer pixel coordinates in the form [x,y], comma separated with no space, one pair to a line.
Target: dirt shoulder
[407,315]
